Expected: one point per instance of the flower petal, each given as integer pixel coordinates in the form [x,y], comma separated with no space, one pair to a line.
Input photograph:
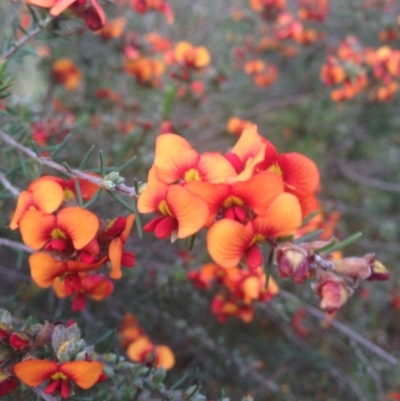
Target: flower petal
[190,210]
[45,268]
[174,156]
[84,373]
[153,194]
[282,218]
[60,6]
[215,168]
[47,194]
[165,358]
[115,255]
[259,191]
[300,173]
[227,240]
[80,225]
[36,228]
[34,372]
[139,349]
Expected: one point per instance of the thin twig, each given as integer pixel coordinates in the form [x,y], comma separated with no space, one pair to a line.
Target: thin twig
[20,43]
[353,175]
[344,330]
[16,245]
[7,185]
[58,167]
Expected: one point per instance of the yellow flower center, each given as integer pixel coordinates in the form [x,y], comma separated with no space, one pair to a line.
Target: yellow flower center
[274,168]
[231,201]
[59,376]
[192,175]
[57,234]
[69,194]
[164,209]
[257,238]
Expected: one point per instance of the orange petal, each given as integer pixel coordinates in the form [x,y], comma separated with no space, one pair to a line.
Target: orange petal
[213,194]
[300,173]
[23,203]
[128,227]
[259,191]
[59,287]
[251,289]
[248,144]
[47,194]
[41,3]
[36,228]
[34,372]
[80,225]
[84,373]
[203,57]
[215,168]
[164,357]
[60,6]
[73,266]
[115,255]
[174,156]
[153,194]
[97,286]
[181,50]
[227,240]
[190,210]
[45,268]
[282,218]
[139,348]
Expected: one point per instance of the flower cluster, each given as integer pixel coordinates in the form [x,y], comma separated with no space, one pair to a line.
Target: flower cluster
[335,277]
[239,290]
[250,196]
[354,69]
[65,359]
[140,348]
[70,241]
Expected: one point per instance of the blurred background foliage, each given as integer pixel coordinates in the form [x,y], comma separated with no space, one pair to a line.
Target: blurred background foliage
[356,145]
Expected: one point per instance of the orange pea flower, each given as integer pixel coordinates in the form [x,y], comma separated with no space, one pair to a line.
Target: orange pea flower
[143,350]
[239,199]
[228,240]
[71,228]
[42,194]
[236,125]
[147,71]
[116,252]
[190,56]
[66,73]
[94,286]
[208,273]
[90,10]
[249,151]
[225,307]
[113,29]
[45,269]
[182,212]
[60,376]
[176,160]
[130,330]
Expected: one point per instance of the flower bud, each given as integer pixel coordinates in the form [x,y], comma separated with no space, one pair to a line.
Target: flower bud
[293,261]
[19,341]
[7,383]
[332,290]
[379,271]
